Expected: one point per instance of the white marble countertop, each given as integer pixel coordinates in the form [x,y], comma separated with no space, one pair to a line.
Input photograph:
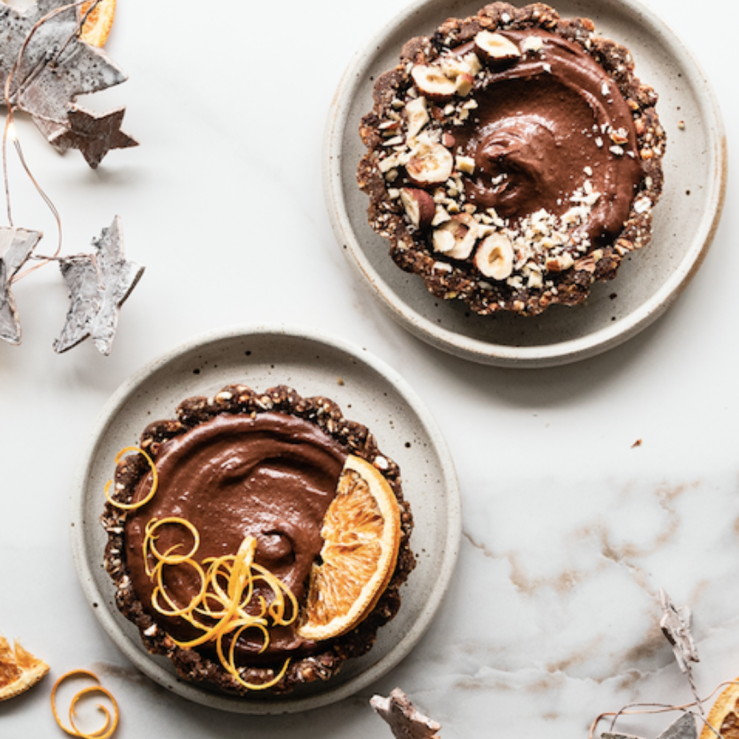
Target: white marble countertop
[569,529]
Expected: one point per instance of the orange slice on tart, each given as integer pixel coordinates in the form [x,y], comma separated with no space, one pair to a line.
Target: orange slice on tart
[724,715]
[98,22]
[19,670]
[361,533]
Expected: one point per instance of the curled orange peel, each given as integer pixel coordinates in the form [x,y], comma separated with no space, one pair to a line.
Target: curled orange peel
[161,590]
[148,547]
[154,481]
[111,721]
[226,597]
[230,664]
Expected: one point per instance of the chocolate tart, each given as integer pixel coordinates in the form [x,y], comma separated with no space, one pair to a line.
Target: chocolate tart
[247,463]
[513,159]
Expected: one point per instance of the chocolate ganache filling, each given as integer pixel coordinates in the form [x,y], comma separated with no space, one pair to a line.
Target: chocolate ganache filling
[542,127]
[272,477]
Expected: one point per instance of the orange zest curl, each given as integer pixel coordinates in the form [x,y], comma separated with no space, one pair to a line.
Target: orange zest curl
[111,721]
[160,590]
[154,483]
[167,558]
[226,597]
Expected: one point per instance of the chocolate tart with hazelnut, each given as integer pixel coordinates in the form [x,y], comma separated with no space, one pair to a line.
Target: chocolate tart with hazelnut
[262,467]
[513,159]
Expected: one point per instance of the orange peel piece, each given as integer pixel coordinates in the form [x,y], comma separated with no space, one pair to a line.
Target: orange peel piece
[19,669]
[111,721]
[154,480]
[97,20]
[361,533]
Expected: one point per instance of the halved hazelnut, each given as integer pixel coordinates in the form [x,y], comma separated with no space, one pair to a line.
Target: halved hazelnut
[419,206]
[456,238]
[417,115]
[430,164]
[453,66]
[495,48]
[462,71]
[443,240]
[433,83]
[494,256]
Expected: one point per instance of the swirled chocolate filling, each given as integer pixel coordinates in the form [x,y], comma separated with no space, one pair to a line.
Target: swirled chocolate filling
[272,477]
[543,126]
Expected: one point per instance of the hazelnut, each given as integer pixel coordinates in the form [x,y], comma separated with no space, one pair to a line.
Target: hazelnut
[495,48]
[494,256]
[433,83]
[419,206]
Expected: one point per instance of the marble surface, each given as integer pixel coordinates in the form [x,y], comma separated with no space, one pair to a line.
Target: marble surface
[570,527]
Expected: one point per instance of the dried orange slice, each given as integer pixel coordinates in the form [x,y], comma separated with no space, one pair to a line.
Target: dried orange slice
[361,533]
[724,716]
[98,23]
[19,670]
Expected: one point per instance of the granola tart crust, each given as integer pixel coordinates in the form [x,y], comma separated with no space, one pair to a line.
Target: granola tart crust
[408,247]
[189,664]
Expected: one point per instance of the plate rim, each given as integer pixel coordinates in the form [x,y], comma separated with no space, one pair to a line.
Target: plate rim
[504,355]
[146,663]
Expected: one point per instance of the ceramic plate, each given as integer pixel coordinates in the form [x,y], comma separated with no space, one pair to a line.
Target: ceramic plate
[369,393]
[648,282]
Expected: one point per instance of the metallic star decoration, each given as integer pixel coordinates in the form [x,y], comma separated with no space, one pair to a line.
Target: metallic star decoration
[98,285]
[675,625]
[56,65]
[94,135]
[16,245]
[683,728]
[405,721]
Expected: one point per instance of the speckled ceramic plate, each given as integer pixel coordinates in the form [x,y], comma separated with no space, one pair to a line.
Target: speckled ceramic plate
[368,392]
[648,281]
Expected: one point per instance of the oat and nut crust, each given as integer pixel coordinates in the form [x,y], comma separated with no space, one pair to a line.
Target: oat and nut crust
[191,664]
[409,247]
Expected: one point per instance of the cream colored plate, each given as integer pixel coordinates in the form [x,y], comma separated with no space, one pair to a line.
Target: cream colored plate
[368,392]
[648,282]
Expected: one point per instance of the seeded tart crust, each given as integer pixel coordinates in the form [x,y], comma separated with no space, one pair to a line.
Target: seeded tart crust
[410,247]
[190,664]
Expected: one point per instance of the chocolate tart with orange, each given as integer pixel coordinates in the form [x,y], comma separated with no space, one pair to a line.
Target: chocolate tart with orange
[513,159]
[258,540]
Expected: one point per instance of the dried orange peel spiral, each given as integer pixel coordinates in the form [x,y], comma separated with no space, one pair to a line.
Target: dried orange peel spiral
[170,559]
[154,480]
[167,557]
[111,721]
[226,595]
